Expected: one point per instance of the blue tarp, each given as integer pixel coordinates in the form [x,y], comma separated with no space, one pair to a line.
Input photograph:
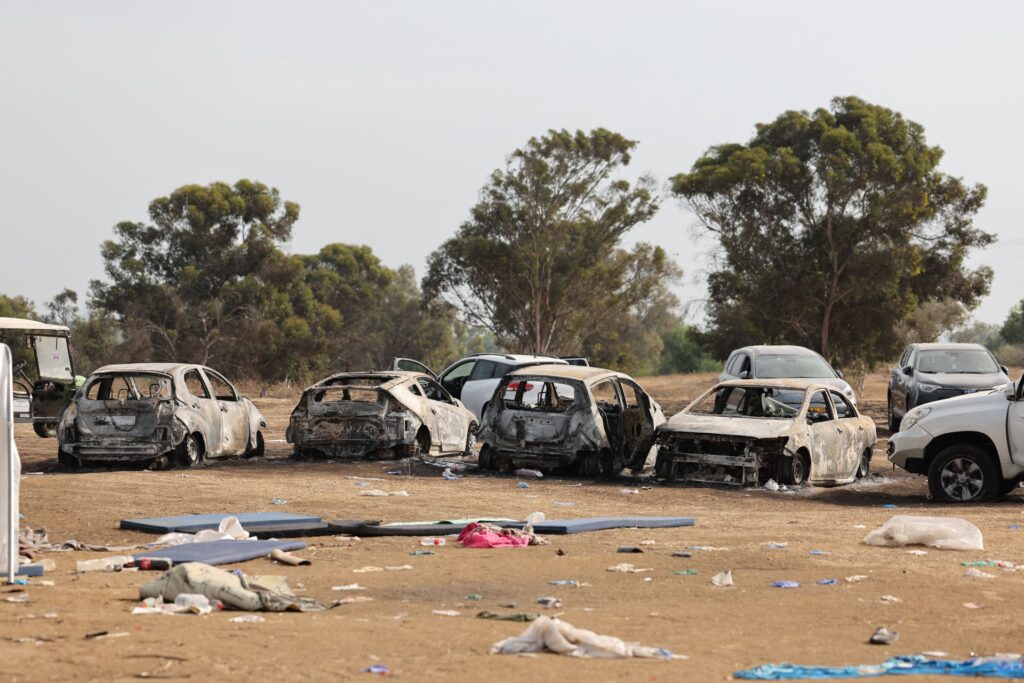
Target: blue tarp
[913,665]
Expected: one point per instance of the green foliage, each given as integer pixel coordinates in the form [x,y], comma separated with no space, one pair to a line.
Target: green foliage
[17,307]
[682,353]
[1012,330]
[538,263]
[832,226]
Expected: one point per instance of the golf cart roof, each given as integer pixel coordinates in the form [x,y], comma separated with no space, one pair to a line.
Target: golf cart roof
[24,324]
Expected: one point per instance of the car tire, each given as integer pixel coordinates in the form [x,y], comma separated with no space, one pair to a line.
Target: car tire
[485,460]
[470,440]
[964,473]
[865,465]
[259,449]
[423,443]
[189,452]
[588,464]
[45,430]
[794,470]
[894,422]
[68,461]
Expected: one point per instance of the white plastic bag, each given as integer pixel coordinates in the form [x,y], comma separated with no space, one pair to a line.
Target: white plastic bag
[945,533]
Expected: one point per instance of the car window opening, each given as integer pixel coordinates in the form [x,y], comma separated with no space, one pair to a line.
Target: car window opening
[756,402]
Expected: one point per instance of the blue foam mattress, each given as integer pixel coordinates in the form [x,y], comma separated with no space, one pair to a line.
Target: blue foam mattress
[194,523]
[220,552]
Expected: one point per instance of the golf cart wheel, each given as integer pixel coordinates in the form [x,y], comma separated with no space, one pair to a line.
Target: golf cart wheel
[894,422]
[45,430]
[259,449]
[865,465]
[794,470]
[485,460]
[189,452]
[963,473]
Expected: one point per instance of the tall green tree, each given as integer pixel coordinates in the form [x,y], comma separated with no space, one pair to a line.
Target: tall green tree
[832,226]
[16,307]
[539,262]
[1013,328]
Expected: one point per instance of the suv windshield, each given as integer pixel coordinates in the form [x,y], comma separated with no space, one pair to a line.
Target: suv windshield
[777,366]
[763,402]
[959,361]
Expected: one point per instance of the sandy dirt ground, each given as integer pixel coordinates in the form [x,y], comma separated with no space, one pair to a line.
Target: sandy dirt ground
[721,630]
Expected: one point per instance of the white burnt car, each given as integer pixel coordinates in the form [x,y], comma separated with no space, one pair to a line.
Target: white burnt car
[383,414]
[160,412]
[554,416]
[750,431]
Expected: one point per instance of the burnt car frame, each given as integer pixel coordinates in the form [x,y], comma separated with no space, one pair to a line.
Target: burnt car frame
[556,416]
[750,431]
[162,412]
[385,414]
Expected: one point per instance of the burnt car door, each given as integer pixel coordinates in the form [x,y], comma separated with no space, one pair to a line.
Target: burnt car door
[234,432]
[608,400]
[636,425]
[450,419]
[200,399]
[826,436]
[853,435]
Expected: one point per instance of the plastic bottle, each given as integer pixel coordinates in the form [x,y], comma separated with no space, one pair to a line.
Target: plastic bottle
[432,540]
[108,564]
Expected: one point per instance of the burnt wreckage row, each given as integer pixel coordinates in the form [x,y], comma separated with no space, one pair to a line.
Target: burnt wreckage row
[527,411]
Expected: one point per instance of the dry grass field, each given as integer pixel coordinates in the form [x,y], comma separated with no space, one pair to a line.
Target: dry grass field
[719,629]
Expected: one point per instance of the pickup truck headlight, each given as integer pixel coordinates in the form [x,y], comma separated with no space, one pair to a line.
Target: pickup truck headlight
[928,388]
[913,417]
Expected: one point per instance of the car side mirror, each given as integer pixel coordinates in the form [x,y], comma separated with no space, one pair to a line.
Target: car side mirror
[1006,370]
[839,374]
[908,371]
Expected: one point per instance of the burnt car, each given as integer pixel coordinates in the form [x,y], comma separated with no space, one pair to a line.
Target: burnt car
[750,431]
[380,414]
[160,412]
[558,416]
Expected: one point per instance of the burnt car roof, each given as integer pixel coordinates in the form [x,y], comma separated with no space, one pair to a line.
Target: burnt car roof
[578,372]
[162,368]
[391,378]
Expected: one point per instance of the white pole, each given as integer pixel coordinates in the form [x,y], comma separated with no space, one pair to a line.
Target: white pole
[7,459]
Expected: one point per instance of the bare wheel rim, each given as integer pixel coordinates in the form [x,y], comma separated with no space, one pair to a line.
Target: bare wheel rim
[962,479]
[192,450]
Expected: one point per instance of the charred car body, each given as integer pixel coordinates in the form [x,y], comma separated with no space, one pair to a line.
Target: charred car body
[553,416]
[749,431]
[384,414]
[158,412]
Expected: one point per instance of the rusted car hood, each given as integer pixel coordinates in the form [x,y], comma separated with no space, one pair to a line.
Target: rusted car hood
[753,427]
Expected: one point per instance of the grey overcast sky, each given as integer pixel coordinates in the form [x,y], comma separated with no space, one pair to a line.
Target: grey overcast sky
[383,119]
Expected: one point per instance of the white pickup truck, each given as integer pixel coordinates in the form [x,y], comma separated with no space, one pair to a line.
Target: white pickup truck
[971,447]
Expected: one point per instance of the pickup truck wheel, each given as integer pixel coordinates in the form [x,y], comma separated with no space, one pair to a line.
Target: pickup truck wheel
[963,473]
[894,422]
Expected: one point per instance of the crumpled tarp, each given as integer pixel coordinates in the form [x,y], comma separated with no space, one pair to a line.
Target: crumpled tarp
[913,665]
[945,533]
[256,594]
[548,634]
[477,535]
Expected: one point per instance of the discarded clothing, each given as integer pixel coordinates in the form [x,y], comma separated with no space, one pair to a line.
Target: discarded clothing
[979,667]
[510,616]
[946,533]
[477,535]
[548,634]
[253,595]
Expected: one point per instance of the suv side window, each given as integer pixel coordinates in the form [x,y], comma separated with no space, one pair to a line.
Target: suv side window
[732,366]
[904,357]
[484,369]
[461,371]
[195,385]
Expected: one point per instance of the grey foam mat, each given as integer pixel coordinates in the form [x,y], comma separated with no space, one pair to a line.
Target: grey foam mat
[220,552]
[194,523]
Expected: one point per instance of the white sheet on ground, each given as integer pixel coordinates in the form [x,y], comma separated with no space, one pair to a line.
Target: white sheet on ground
[548,634]
[230,529]
[946,533]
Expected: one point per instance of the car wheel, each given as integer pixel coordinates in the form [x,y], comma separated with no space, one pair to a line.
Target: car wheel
[67,461]
[611,464]
[485,460]
[894,422]
[865,465]
[259,449]
[470,440]
[44,430]
[189,451]
[963,473]
[423,443]
[794,470]
[588,464]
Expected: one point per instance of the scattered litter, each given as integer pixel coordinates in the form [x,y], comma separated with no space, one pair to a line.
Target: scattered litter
[978,574]
[19,598]
[1002,564]
[889,506]
[367,570]
[101,635]
[626,568]
[820,552]
[776,546]
[972,605]
[349,587]
[449,475]
[680,553]
[547,634]
[1014,527]
[828,582]
[563,503]
[351,600]
[995,667]
[398,568]
[771,485]
[565,582]
[630,492]
[945,533]
[478,535]
[446,612]
[474,596]
[548,602]
[649,541]
[512,616]
[184,603]
[722,579]
[534,474]
[379,669]
[785,584]
[856,578]
[685,572]
[104,564]
[508,605]
[247,619]
[704,547]
[361,484]
[560,552]
[419,553]
[380,494]
[364,478]
[935,653]
[432,540]
[629,549]
[287,558]
[523,485]
[889,599]
[884,636]
[917,553]
[279,501]
[860,526]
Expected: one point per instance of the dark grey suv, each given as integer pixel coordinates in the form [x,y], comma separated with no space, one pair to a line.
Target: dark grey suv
[931,372]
